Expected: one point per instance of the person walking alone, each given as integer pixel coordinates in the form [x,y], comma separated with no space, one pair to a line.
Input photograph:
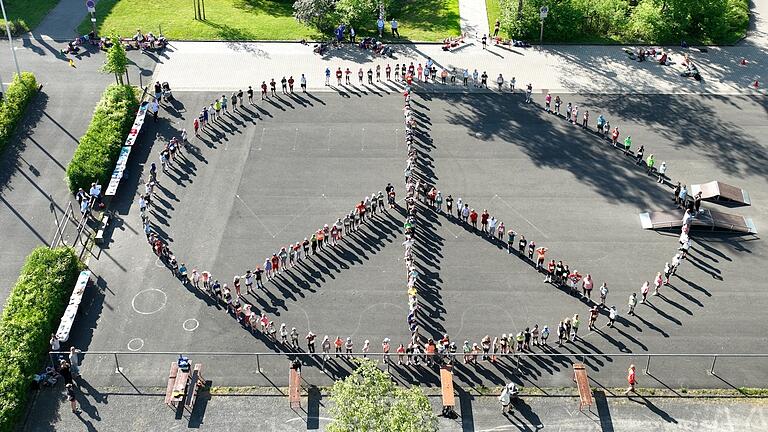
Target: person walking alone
[631,380]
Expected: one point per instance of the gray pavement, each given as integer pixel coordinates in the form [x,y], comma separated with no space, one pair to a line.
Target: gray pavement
[114,409]
[254,184]
[32,168]
[62,21]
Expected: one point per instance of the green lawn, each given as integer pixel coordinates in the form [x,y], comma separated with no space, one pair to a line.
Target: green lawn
[29,11]
[423,20]
[493,9]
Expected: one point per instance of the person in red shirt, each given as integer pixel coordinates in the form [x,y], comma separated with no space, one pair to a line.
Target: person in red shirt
[550,272]
[264,90]
[615,136]
[484,220]
[275,263]
[339,73]
[473,218]
[631,380]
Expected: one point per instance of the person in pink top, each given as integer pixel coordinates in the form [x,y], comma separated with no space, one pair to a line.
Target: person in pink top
[547,102]
[657,284]
[644,291]
[586,286]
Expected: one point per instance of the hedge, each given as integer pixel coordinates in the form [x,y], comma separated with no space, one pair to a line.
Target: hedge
[99,148]
[32,312]
[17,26]
[15,101]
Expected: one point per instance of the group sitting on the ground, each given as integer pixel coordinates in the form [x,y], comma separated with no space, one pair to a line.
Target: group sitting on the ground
[145,42]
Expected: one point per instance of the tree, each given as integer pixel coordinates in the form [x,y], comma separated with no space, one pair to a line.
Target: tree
[360,13]
[116,62]
[320,14]
[367,400]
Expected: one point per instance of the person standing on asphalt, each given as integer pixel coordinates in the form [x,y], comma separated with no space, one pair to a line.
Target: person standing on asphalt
[74,361]
[72,398]
[603,293]
[250,95]
[154,107]
[284,85]
[631,303]
[631,380]
[593,313]
[510,241]
[612,315]
[528,93]
[273,87]
[264,90]
[644,291]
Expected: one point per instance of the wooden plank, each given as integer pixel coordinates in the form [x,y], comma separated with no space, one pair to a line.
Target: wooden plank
[294,389]
[446,382]
[171,383]
[582,382]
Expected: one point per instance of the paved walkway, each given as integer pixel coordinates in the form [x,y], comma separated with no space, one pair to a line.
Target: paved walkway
[474,18]
[62,21]
[123,409]
[557,69]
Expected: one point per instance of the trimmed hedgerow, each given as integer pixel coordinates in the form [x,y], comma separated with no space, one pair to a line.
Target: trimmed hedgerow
[32,312]
[99,148]
[15,101]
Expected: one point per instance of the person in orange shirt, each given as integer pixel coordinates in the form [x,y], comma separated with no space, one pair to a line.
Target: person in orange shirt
[631,380]
[541,253]
[338,343]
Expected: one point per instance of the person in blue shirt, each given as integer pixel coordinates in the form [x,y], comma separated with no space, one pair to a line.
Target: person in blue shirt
[380,26]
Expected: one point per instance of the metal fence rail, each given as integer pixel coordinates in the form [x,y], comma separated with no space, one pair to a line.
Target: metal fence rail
[516,357]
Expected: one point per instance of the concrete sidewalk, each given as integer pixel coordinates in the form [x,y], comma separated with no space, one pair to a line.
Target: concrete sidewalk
[556,69]
[124,409]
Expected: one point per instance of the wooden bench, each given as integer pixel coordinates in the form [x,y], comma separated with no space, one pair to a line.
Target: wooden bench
[294,388]
[446,382]
[582,383]
[195,382]
[169,400]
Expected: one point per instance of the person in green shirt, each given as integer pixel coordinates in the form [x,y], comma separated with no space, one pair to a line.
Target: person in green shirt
[650,162]
[627,144]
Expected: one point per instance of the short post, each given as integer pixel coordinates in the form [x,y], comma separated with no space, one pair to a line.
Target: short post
[93,22]
[712,369]
[258,364]
[648,366]
[541,34]
[118,369]
[517,362]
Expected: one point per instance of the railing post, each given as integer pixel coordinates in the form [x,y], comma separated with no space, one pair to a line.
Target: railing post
[258,364]
[648,366]
[51,358]
[118,369]
[517,362]
[712,369]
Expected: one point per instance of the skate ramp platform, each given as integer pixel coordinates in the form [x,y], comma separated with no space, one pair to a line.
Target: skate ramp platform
[706,219]
[719,192]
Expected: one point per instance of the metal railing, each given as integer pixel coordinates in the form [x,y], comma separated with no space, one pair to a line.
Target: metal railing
[393,356]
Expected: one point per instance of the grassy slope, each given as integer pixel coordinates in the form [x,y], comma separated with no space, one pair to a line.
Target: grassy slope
[256,19]
[31,11]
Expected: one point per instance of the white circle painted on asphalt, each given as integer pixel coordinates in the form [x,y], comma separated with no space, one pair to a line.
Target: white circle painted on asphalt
[190,323]
[149,297]
[132,344]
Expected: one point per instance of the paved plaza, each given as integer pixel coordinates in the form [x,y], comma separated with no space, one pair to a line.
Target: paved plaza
[272,174]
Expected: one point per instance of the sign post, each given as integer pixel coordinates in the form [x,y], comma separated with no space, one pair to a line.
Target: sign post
[91,6]
[542,14]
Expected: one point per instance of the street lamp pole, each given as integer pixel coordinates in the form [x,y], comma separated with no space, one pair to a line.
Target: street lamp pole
[10,40]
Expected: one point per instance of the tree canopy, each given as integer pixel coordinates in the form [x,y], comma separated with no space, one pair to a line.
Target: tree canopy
[368,401]
[648,21]
[116,62]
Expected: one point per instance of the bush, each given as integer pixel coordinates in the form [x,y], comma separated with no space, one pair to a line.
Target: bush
[99,148]
[32,312]
[651,21]
[18,26]
[15,101]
